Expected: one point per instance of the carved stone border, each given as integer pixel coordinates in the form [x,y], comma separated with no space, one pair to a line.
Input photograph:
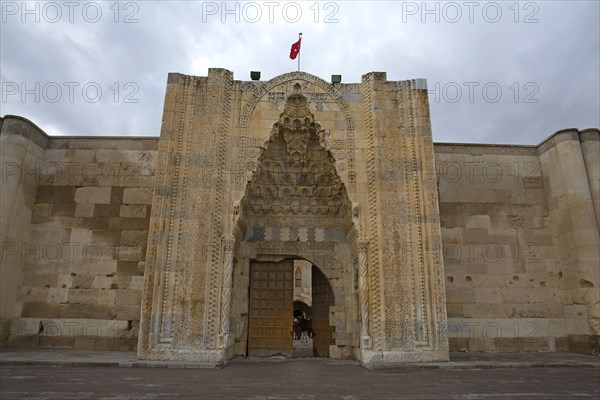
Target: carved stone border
[377,308]
[214,275]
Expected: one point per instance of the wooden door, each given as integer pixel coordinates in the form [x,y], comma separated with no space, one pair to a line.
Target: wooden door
[271,309]
[322,300]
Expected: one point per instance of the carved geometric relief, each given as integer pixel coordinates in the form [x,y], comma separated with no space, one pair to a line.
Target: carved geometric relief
[272,91]
[272,167]
[295,175]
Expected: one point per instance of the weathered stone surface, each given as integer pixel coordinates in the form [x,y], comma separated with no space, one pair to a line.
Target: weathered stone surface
[133,211]
[294,177]
[501,239]
[95,195]
[64,260]
[508,249]
[137,196]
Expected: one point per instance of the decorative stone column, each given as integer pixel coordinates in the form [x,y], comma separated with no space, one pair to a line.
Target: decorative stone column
[228,242]
[363,293]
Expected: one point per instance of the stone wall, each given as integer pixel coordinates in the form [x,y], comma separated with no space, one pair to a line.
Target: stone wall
[570,182]
[73,255]
[375,138]
[519,230]
[521,270]
[22,146]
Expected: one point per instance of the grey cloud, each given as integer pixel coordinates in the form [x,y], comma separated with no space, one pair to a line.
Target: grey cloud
[560,54]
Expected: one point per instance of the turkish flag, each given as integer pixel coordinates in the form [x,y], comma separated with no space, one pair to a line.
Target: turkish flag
[295,49]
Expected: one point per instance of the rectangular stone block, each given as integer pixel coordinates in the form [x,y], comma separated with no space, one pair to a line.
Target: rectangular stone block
[487,310]
[123,282]
[128,253]
[63,210]
[119,223]
[454,310]
[128,297]
[83,296]
[127,268]
[106,239]
[97,195]
[55,194]
[107,296]
[40,280]
[460,295]
[137,195]
[103,267]
[82,281]
[488,295]
[106,210]
[58,295]
[94,223]
[137,282]
[80,237]
[133,211]
[514,295]
[137,238]
[103,281]
[40,310]
[541,295]
[128,312]
[477,221]
[42,210]
[458,344]
[32,295]
[84,210]
[93,311]
[575,311]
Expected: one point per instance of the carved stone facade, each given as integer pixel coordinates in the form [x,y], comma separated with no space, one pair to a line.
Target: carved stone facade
[125,243]
[295,167]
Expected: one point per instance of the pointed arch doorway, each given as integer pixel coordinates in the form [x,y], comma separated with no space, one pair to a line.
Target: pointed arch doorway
[296,207]
[271,310]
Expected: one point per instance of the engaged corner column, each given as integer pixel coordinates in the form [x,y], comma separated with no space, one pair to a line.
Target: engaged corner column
[228,243]
[363,293]
[570,200]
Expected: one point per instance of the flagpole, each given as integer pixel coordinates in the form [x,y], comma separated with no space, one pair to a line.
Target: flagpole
[299,37]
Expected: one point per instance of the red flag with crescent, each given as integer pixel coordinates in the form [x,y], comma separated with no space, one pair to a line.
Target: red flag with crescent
[295,49]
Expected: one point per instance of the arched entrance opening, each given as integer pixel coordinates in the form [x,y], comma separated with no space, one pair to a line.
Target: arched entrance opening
[280,326]
[301,309]
[295,210]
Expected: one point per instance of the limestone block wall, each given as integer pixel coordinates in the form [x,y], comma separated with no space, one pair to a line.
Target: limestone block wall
[22,147]
[570,172]
[519,240]
[514,257]
[79,261]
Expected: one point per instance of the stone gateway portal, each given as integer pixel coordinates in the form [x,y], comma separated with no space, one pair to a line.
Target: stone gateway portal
[251,175]
[266,201]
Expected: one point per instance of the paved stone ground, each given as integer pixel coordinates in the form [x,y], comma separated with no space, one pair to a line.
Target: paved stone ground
[74,375]
[298,380]
[303,347]
[68,357]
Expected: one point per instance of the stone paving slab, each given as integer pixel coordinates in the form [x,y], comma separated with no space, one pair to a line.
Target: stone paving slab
[95,358]
[301,379]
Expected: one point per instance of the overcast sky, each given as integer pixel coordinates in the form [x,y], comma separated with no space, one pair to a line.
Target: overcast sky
[498,72]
